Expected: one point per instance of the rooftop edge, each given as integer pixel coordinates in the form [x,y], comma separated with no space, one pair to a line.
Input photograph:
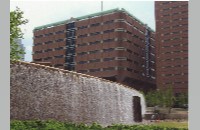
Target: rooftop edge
[90,16]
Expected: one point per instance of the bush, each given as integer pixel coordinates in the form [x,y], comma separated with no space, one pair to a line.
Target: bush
[55,125]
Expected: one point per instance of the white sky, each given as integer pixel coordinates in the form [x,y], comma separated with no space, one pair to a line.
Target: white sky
[44,12]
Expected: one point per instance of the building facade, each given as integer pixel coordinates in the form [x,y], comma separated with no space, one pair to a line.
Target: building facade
[172,45]
[111,44]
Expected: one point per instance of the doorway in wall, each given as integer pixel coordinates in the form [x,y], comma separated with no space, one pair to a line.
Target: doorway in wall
[137,114]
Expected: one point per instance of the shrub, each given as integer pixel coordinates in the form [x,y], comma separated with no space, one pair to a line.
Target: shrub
[55,125]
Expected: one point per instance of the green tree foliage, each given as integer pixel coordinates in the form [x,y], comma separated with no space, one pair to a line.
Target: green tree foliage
[162,98]
[16,19]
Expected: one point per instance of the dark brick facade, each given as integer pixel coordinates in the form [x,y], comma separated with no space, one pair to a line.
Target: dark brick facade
[113,45]
[172,45]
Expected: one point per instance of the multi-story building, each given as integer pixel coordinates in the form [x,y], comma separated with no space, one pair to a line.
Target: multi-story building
[172,45]
[111,44]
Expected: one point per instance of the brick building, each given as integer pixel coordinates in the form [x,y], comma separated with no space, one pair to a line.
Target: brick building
[112,44]
[172,45]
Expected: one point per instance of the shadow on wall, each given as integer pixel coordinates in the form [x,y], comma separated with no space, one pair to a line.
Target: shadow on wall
[42,92]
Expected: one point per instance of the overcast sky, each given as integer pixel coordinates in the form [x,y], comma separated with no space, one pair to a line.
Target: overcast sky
[44,12]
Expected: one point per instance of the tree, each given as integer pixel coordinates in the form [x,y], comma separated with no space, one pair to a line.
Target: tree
[16,19]
[162,98]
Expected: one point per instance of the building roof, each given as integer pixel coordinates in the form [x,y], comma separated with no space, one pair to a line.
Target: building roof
[90,16]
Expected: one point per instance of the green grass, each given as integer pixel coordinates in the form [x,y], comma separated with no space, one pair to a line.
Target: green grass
[175,124]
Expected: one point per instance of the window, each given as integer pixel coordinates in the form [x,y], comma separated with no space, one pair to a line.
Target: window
[108,31]
[59,32]
[108,40]
[82,62]
[82,53]
[108,59]
[108,50]
[37,59]
[49,34]
[93,34]
[48,50]
[129,51]
[48,42]
[121,58]
[59,40]
[108,22]
[48,58]
[37,44]
[129,69]
[37,52]
[59,48]
[83,44]
[94,25]
[59,56]
[39,36]
[82,27]
[81,36]
[94,60]
[96,42]
[108,69]
[95,51]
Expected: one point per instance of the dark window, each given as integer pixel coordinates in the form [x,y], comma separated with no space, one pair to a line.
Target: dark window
[39,36]
[108,31]
[37,52]
[95,51]
[81,36]
[48,50]
[94,25]
[129,60]
[59,40]
[93,34]
[59,32]
[129,51]
[82,62]
[59,48]
[60,56]
[37,44]
[48,58]
[82,53]
[109,68]
[129,69]
[107,50]
[48,42]
[49,34]
[108,59]
[83,44]
[37,59]
[96,42]
[82,27]
[108,40]
[94,60]
[108,22]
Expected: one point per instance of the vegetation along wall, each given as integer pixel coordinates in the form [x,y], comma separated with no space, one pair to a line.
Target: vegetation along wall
[41,92]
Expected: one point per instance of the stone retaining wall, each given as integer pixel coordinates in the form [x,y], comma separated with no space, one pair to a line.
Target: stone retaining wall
[42,92]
